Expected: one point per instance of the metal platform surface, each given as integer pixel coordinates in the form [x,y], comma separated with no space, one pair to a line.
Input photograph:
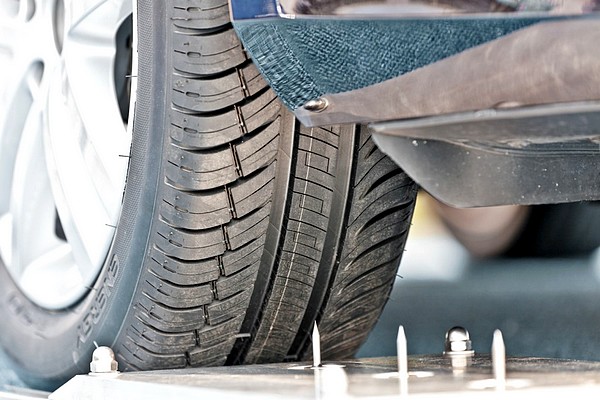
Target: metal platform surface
[429,377]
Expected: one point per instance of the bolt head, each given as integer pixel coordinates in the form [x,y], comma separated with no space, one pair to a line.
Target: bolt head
[316,105]
[457,341]
[103,360]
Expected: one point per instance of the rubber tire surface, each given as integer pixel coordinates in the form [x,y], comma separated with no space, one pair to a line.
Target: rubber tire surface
[240,228]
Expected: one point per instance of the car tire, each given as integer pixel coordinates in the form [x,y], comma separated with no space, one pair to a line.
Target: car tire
[239,228]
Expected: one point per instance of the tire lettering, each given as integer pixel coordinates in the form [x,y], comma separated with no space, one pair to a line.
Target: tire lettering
[100,302]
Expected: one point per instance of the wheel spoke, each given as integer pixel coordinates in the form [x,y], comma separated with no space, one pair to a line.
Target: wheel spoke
[89,54]
[18,113]
[81,193]
[31,214]
[55,273]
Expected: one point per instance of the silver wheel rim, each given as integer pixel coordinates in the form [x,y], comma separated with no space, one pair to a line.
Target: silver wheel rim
[64,144]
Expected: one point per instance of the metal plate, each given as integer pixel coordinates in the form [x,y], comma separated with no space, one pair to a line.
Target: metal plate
[429,377]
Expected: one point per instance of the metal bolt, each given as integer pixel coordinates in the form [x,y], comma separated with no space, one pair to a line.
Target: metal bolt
[458,342]
[103,360]
[316,105]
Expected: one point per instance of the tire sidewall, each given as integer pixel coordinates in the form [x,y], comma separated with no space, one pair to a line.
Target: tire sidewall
[46,348]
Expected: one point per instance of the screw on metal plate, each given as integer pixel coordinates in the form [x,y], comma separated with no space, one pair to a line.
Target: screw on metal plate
[499,360]
[458,342]
[316,346]
[402,352]
[316,351]
[316,105]
[331,381]
[458,348]
[103,361]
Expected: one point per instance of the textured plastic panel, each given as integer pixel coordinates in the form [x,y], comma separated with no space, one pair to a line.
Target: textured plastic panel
[305,58]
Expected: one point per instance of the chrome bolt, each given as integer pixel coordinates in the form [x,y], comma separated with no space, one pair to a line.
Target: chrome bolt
[458,342]
[316,105]
[103,361]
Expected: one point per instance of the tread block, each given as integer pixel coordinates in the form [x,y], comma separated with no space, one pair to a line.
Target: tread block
[208,95]
[183,273]
[307,224]
[223,310]
[169,319]
[303,263]
[200,171]
[230,285]
[370,156]
[260,198]
[254,192]
[253,80]
[260,111]
[311,167]
[207,54]
[308,235]
[177,296]
[212,335]
[161,342]
[260,150]
[235,260]
[383,178]
[306,215]
[350,332]
[195,210]
[243,231]
[329,135]
[144,359]
[370,280]
[200,14]
[392,208]
[359,249]
[203,132]
[318,155]
[190,245]
[211,355]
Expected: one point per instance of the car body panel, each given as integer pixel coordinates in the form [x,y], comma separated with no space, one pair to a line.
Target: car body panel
[510,87]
